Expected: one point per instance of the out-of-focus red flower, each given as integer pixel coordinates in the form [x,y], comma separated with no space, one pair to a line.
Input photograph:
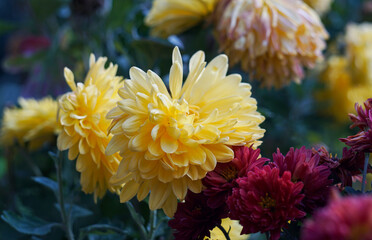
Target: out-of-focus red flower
[265,201]
[28,45]
[304,167]
[193,218]
[219,183]
[351,164]
[344,218]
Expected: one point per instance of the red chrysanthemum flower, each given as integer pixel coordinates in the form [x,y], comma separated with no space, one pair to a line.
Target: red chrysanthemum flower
[193,218]
[265,201]
[363,117]
[304,166]
[360,142]
[347,218]
[219,183]
[345,168]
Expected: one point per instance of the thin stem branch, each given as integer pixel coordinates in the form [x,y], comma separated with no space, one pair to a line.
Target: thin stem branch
[365,172]
[153,219]
[65,218]
[137,220]
[35,169]
[224,232]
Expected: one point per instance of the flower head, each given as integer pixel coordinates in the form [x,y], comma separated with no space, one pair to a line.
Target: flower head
[35,123]
[231,226]
[169,141]
[274,40]
[84,125]
[359,51]
[345,218]
[345,168]
[265,201]
[362,120]
[304,166]
[337,80]
[169,17]
[320,6]
[194,219]
[219,183]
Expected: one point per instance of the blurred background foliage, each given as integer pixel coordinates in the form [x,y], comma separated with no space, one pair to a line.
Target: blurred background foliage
[38,38]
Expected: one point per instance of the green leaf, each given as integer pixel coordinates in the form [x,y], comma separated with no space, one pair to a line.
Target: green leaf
[28,224]
[74,211]
[47,182]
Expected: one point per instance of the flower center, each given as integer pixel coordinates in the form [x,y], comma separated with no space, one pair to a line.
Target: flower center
[267,202]
[229,173]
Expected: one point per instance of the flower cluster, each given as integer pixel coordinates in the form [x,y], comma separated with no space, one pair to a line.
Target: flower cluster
[348,79]
[84,125]
[169,141]
[34,123]
[272,39]
[305,166]
[263,195]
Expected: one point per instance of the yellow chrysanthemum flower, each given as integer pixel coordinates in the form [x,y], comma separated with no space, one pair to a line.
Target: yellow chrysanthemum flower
[169,17]
[35,123]
[169,141]
[273,39]
[84,126]
[341,91]
[359,51]
[320,6]
[337,80]
[234,233]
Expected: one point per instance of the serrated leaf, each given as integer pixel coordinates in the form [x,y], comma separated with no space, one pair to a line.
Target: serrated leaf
[28,224]
[47,182]
[74,211]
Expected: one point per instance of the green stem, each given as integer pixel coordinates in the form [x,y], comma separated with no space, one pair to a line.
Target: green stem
[65,218]
[224,232]
[137,220]
[365,172]
[153,219]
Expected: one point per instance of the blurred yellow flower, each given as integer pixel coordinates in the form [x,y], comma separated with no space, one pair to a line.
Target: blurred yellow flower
[169,141]
[84,126]
[234,233]
[169,17]
[337,80]
[273,39]
[320,6]
[35,123]
[359,51]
